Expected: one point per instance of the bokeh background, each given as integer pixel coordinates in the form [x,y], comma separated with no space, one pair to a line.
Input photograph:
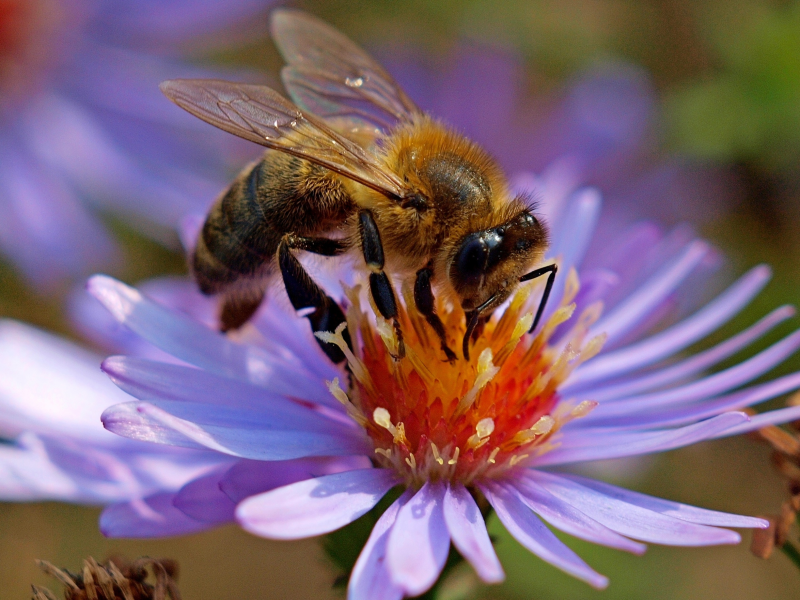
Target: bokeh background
[715,143]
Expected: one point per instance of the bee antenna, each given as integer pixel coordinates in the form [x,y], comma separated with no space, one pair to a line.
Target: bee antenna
[551,270]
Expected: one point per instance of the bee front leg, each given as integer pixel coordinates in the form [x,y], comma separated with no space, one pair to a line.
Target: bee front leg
[379,285]
[304,293]
[423,298]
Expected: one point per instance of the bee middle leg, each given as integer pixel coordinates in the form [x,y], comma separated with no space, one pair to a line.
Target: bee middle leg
[379,285]
[304,292]
[423,298]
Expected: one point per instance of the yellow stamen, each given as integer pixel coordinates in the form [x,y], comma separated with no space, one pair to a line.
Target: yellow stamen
[387,452]
[454,460]
[483,430]
[486,371]
[493,455]
[436,456]
[517,458]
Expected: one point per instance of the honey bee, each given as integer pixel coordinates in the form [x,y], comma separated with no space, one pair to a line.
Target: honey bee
[354,164]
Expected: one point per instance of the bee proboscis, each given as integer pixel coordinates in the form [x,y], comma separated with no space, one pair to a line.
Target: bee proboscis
[353,163]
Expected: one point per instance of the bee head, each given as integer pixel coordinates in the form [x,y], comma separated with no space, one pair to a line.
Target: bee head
[488,264]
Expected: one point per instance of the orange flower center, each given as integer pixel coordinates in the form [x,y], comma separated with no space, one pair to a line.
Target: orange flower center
[434,420]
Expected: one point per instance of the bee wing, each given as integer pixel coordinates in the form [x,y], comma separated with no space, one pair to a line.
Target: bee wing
[263,116]
[331,76]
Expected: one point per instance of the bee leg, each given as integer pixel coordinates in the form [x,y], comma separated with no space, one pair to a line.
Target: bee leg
[379,285]
[423,298]
[237,309]
[551,270]
[304,293]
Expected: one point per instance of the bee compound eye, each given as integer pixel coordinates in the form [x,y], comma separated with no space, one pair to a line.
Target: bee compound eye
[470,260]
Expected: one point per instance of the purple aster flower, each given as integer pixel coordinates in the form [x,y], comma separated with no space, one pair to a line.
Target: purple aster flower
[82,124]
[316,446]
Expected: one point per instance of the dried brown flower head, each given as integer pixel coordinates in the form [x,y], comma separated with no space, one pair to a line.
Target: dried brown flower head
[116,579]
[786,459]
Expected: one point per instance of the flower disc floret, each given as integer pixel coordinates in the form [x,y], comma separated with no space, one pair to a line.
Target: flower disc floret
[434,420]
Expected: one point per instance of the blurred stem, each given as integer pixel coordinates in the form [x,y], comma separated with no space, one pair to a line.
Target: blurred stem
[792,552]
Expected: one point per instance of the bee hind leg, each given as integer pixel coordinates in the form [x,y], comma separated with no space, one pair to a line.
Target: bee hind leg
[379,285]
[423,298]
[304,293]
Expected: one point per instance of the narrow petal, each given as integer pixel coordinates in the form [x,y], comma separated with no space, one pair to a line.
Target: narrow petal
[685,512]
[236,437]
[195,344]
[585,446]
[468,532]
[676,337]
[672,417]
[773,417]
[150,517]
[529,531]
[706,387]
[203,500]
[314,506]
[419,542]
[370,578]
[651,294]
[567,518]
[632,520]
[696,364]
[164,385]
[250,477]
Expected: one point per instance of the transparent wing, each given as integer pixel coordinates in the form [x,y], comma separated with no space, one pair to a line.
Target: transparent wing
[263,116]
[331,76]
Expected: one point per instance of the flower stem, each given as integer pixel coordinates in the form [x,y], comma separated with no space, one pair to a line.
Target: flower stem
[792,552]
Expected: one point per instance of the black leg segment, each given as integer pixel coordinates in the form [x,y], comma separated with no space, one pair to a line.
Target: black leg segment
[473,320]
[379,285]
[304,293]
[423,298]
[550,270]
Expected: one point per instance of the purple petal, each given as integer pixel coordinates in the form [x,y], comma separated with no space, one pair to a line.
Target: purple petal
[684,512]
[632,520]
[370,578]
[579,222]
[49,385]
[468,532]
[150,517]
[250,477]
[236,436]
[314,506]
[651,294]
[696,363]
[773,417]
[568,519]
[677,337]
[419,541]
[587,445]
[700,410]
[161,384]
[529,531]
[710,386]
[189,341]
[203,500]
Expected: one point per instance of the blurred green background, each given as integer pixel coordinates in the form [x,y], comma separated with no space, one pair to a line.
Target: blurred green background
[727,74]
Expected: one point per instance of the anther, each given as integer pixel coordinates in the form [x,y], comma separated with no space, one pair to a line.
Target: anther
[543,426]
[483,430]
[437,457]
[493,455]
[454,460]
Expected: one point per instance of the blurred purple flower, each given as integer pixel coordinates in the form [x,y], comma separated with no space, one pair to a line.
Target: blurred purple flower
[272,402]
[83,124]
